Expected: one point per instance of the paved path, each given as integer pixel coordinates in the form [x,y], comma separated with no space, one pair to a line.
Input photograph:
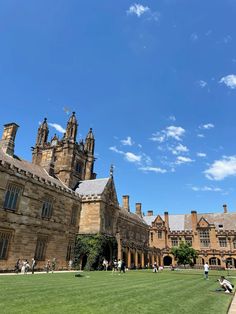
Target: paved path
[232,309]
[40,272]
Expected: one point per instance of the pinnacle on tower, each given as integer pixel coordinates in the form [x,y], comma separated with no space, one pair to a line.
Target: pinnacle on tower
[71,129]
[43,131]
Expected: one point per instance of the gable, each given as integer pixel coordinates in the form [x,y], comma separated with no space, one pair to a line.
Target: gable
[203,223]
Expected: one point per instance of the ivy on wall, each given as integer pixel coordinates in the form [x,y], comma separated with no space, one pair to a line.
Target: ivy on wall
[93,247]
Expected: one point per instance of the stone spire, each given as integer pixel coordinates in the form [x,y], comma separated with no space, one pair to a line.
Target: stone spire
[90,142]
[71,129]
[42,135]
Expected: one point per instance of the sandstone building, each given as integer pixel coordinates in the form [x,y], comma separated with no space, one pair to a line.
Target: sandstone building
[46,203]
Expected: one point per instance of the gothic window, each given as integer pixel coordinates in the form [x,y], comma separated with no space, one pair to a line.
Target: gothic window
[12,195]
[223,242]
[73,219]
[188,241]
[151,236]
[70,248]
[159,234]
[78,167]
[47,208]
[4,243]
[234,243]
[40,250]
[204,238]
[174,242]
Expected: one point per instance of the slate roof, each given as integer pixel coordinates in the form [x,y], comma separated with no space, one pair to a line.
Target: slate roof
[184,222]
[31,168]
[92,187]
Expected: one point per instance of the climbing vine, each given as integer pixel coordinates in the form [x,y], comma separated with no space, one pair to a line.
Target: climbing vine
[92,246]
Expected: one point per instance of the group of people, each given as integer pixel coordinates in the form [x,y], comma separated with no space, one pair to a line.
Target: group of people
[116,266]
[24,266]
[225,284]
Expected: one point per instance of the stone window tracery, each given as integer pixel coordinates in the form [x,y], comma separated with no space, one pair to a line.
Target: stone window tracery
[47,208]
[4,243]
[12,195]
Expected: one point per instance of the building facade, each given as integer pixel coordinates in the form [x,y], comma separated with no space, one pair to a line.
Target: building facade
[46,203]
[212,235]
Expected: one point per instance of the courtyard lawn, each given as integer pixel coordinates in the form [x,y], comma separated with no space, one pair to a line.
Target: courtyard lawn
[141,291]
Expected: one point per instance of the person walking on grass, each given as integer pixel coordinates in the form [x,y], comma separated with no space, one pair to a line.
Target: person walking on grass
[206,270]
[33,264]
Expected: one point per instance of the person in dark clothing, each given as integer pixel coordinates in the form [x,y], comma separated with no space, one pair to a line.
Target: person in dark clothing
[122,269]
[17,266]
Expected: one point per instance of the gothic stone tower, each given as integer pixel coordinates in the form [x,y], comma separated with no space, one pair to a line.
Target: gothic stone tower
[65,159]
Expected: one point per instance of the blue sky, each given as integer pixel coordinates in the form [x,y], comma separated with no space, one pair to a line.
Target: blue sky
[156,80]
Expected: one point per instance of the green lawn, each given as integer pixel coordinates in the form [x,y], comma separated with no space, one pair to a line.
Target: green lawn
[101,292]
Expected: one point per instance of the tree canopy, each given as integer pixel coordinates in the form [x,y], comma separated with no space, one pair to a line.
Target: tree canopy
[184,253]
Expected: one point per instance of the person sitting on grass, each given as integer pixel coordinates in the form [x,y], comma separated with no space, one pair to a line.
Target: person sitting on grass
[226,285]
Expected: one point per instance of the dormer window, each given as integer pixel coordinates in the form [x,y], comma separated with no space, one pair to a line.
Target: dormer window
[220,226]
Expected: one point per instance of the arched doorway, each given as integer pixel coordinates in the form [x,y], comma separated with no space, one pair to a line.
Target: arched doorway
[83,261]
[231,262]
[167,260]
[214,261]
[132,260]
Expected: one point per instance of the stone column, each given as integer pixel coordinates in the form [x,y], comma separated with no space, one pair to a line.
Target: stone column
[142,262]
[129,257]
[136,259]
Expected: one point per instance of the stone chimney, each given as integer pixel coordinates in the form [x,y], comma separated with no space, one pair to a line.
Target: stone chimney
[225,209]
[7,143]
[194,219]
[138,209]
[166,215]
[150,213]
[126,202]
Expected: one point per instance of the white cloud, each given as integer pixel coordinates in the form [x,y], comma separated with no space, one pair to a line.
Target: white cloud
[200,135]
[116,150]
[153,169]
[202,83]
[137,9]
[179,149]
[206,126]
[132,157]
[174,132]
[201,155]
[172,118]
[183,160]
[58,127]
[127,155]
[157,137]
[206,189]
[229,81]
[221,169]
[227,39]
[127,142]
[194,37]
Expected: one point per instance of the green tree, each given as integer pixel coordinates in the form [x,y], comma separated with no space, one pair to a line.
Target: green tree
[184,253]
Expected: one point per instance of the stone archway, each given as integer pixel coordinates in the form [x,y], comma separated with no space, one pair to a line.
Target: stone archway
[231,262]
[214,261]
[167,260]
